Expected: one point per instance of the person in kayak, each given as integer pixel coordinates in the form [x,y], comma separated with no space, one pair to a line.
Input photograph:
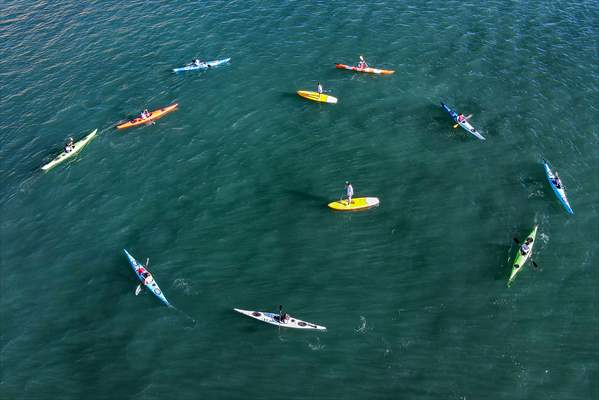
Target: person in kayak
[196,62]
[461,118]
[70,146]
[283,318]
[525,248]
[145,114]
[349,191]
[557,181]
[147,278]
[362,63]
[319,88]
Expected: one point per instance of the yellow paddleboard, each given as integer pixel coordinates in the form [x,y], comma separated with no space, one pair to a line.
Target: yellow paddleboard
[360,203]
[314,96]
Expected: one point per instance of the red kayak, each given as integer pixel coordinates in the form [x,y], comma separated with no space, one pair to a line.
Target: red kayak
[367,69]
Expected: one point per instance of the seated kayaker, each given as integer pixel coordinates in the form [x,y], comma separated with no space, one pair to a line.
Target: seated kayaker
[461,118]
[556,181]
[196,62]
[362,63]
[319,88]
[144,114]
[525,248]
[147,278]
[70,146]
[283,318]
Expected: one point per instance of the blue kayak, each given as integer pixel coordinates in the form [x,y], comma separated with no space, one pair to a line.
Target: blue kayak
[464,124]
[560,192]
[202,65]
[150,284]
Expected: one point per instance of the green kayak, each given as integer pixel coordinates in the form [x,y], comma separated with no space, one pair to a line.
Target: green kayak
[522,258]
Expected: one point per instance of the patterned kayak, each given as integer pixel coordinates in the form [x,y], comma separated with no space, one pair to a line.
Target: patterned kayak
[274,319]
[521,259]
[203,65]
[357,204]
[466,125]
[154,115]
[315,96]
[152,285]
[559,192]
[76,148]
[367,69]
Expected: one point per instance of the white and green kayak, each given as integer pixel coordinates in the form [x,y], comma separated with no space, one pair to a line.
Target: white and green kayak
[76,148]
[522,258]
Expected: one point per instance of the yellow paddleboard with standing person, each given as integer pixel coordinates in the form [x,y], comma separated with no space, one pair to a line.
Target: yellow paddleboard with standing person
[351,204]
[360,203]
[318,96]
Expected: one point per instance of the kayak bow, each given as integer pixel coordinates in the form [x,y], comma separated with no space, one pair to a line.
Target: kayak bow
[521,259]
[273,319]
[154,115]
[465,124]
[152,286]
[76,148]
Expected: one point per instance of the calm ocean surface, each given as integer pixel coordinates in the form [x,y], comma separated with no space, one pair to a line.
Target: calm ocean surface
[227,197]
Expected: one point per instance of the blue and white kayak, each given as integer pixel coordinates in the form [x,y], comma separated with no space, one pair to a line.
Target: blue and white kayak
[560,192]
[464,124]
[150,284]
[203,65]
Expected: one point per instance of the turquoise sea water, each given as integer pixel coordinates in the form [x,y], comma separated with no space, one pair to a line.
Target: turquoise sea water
[227,197]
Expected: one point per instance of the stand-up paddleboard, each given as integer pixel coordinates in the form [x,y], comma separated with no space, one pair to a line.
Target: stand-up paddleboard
[154,115]
[357,204]
[319,97]
[559,192]
[203,65]
[76,148]
[274,319]
[520,258]
[467,126]
[368,70]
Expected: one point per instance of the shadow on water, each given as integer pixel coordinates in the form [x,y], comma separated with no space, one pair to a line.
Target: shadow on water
[309,198]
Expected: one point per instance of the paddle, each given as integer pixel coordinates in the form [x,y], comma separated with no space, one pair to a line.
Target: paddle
[465,119]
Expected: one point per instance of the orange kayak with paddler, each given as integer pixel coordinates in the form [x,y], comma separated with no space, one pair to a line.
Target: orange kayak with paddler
[154,115]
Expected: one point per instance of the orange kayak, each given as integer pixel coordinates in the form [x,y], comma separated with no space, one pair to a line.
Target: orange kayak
[154,115]
[368,69]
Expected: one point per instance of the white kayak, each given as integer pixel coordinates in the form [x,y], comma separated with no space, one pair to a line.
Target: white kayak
[202,65]
[76,148]
[274,319]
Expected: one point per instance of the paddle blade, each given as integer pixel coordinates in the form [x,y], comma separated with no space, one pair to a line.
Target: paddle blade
[516,240]
[147,262]
[138,289]
[535,264]
[455,126]
[468,117]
